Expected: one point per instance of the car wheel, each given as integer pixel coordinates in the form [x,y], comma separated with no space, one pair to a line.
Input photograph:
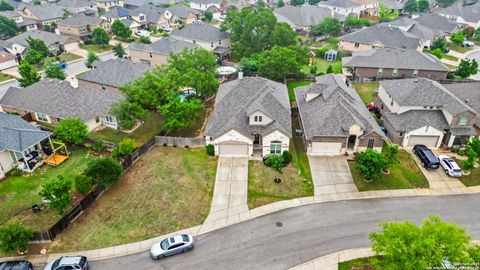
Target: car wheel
[186,250]
[414,151]
[159,257]
[446,172]
[423,164]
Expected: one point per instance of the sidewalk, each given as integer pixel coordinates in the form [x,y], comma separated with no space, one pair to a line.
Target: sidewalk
[331,261]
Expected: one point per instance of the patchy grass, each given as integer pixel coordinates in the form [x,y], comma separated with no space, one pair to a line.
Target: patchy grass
[5,77]
[450,57]
[291,85]
[19,193]
[167,189]
[357,264]
[298,151]
[331,43]
[67,57]
[96,48]
[403,175]
[366,91]
[473,179]
[322,66]
[458,48]
[452,67]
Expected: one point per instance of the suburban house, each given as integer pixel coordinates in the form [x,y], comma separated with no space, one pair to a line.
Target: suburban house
[87,7]
[469,15]
[111,74]
[7,60]
[106,5]
[203,5]
[155,16]
[469,94]
[334,119]
[301,18]
[205,36]
[379,36]
[56,43]
[23,23]
[181,14]
[394,4]
[133,19]
[422,111]
[384,63]
[157,53]
[81,26]
[20,144]
[50,100]
[438,23]
[133,4]
[352,7]
[251,117]
[44,14]
[116,13]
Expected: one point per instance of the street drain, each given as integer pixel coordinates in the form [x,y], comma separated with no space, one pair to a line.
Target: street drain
[279,224]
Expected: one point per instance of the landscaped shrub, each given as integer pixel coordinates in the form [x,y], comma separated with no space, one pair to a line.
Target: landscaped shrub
[321,52]
[455,149]
[287,158]
[98,145]
[16,171]
[371,164]
[72,130]
[104,171]
[14,238]
[274,161]
[83,184]
[57,192]
[461,153]
[438,53]
[470,162]
[391,154]
[210,149]
[124,148]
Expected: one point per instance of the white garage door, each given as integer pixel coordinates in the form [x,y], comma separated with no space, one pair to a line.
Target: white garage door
[233,149]
[326,148]
[430,141]
[71,46]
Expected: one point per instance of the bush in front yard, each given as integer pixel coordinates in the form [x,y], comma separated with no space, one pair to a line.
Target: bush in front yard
[210,149]
[391,154]
[14,238]
[371,164]
[124,148]
[57,192]
[71,130]
[274,161]
[83,184]
[287,158]
[104,171]
[469,163]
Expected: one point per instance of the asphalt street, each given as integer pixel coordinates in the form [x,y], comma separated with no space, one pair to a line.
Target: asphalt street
[306,232]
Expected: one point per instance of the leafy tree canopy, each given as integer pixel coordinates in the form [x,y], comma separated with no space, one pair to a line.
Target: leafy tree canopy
[328,26]
[355,23]
[457,37]
[28,74]
[8,27]
[297,2]
[371,164]
[57,192]
[14,237]
[99,36]
[120,29]
[91,57]
[281,62]
[387,14]
[180,114]
[71,130]
[104,171]
[440,43]
[467,68]
[118,50]
[53,70]
[5,5]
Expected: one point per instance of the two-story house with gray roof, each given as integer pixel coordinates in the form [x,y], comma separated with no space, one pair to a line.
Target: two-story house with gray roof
[157,53]
[422,111]
[251,115]
[334,119]
[23,23]
[469,15]
[87,7]
[301,18]
[44,14]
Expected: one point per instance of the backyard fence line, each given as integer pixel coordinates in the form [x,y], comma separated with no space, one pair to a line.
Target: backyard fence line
[180,141]
[130,159]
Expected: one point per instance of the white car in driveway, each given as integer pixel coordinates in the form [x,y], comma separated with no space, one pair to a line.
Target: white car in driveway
[142,33]
[450,166]
[171,246]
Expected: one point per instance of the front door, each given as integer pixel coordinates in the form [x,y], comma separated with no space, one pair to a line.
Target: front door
[351,142]
[257,139]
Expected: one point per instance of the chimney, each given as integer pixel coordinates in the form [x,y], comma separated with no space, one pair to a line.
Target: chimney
[240,74]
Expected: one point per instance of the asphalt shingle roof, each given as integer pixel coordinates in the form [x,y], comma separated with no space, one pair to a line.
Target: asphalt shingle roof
[80,20]
[200,31]
[336,108]
[47,37]
[469,94]
[59,99]
[76,3]
[302,16]
[114,72]
[164,46]
[181,10]
[17,134]
[394,58]
[468,13]
[437,22]
[237,99]
[46,11]
[153,13]
[414,119]
[388,36]
[117,12]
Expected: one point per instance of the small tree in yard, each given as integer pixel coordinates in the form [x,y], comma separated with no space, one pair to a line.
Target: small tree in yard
[28,74]
[104,171]
[469,163]
[391,154]
[328,26]
[387,14]
[52,70]
[180,114]
[210,149]
[208,16]
[83,184]
[287,158]
[439,43]
[14,238]
[72,130]
[90,58]
[275,161]
[474,144]
[127,112]
[371,164]
[124,148]
[467,68]
[118,50]
[99,36]
[8,27]
[438,53]
[457,38]
[120,29]
[57,192]
[329,69]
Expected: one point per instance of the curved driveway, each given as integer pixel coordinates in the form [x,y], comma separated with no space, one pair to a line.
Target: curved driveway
[308,232]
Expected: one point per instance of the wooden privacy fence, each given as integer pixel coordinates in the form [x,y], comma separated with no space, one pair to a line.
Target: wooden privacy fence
[128,161]
[180,141]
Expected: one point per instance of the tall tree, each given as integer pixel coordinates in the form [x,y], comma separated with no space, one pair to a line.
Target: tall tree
[72,130]
[14,237]
[8,27]
[120,29]
[118,50]
[39,46]
[411,6]
[387,14]
[5,5]
[260,4]
[91,57]
[328,26]
[440,43]
[457,37]
[281,62]
[99,36]
[58,192]
[28,74]
[467,68]
[53,70]
[180,114]
[33,57]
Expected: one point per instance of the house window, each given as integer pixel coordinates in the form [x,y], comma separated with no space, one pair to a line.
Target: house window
[103,87]
[42,117]
[391,103]
[380,71]
[415,73]
[260,118]
[370,143]
[401,134]
[255,118]
[463,121]
[211,44]
[275,148]
[151,55]
[97,119]
[220,42]
[395,72]
[357,45]
[110,120]
[194,42]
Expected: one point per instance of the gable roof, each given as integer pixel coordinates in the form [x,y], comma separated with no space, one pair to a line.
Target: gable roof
[10,14]
[469,94]
[303,16]
[237,99]
[114,72]
[382,33]
[424,92]
[200,31]
[45,11]
[334,110]
[47,37]
[182,11]
[468,13]
[80,20]
[76,3]
[152,12]
[163,46]
[341,3]
[414,119]
[437,22]
[394,58]
[117,12]
[59,99]
[393,4]
[206,2]
[17,134]
[139,3]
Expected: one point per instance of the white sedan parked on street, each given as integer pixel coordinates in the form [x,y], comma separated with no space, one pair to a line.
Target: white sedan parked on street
[450,166]
[172,245]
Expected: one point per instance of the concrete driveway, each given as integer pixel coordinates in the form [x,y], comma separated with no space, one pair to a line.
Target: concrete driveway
[331,176]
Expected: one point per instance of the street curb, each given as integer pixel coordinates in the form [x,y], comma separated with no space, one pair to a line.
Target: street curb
[7,81]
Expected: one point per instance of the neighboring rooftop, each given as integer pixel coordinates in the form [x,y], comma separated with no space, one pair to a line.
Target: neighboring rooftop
[469,94]
[163,46]
[200,31]
[76,3]
[59,99]
[391,37]
[17,134]
[206,2]
[47,37]
[182,11]
[114,72]
[437,22]
[80,20]
[45,11]
[303,16]
[393,4]
[10,14]
[152,12]
[414,119]
[117,12]
[468,13]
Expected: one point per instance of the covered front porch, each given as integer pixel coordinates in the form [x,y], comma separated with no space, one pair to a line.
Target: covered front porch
[459,136]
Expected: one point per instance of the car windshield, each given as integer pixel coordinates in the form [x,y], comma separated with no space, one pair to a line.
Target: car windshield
[164,244]
[457,170]
[55,264]
[185,238]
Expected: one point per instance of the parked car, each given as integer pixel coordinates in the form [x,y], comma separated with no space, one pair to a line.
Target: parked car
[223,17]
[426,156]
[16,265]
[171,246]
[62,64]
[467,43]
[68,262]
[142,33]
[165,28]
[450,166]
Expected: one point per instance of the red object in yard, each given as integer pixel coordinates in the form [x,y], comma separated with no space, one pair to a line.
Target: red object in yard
[371,107]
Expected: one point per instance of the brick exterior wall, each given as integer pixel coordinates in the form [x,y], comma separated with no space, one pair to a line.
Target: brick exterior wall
[71,31]
[364,72]
[92,85]
[28,115]
[470,122]
[156,59]
[363,140]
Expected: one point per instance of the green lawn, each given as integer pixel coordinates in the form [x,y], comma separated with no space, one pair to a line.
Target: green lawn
[450,57]
[291,85]
[298,151]
[403,175]
[357,264]
[473,179]
[5,77]
[167,189]
[366,91]
[458,48]
[96,48]
[67,57]
[450,66]
[18,193]
[322,66]
[331,43]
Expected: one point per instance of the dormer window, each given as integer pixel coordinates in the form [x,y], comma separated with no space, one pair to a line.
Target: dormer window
[463,120]
[255,118]
[260,118]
